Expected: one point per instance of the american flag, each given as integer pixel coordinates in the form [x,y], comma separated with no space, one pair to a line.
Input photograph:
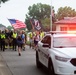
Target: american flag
[17,24]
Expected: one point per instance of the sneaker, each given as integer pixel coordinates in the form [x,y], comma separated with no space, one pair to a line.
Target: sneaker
[24,49]
[19,54]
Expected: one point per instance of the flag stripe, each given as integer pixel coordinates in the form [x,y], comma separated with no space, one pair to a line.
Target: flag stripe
[17,24]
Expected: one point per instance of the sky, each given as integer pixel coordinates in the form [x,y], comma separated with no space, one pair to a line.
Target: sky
[17,9]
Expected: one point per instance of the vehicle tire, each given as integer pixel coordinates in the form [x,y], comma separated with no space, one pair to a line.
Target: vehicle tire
[37,61]
[51,68]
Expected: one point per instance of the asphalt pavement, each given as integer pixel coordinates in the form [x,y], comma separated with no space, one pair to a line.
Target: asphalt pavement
[12,64]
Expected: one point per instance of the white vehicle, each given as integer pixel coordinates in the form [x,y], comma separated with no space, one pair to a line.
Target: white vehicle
[57,52]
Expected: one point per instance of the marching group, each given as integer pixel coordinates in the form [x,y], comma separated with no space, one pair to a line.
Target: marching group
[12,39]
[16,39]
[35,37]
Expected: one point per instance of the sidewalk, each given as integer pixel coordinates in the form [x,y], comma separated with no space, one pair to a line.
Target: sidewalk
[4,69]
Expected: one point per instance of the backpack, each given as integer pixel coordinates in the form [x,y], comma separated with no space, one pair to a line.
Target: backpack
[22,36]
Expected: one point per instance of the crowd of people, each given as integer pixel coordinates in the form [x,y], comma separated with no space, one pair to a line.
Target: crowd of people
[16,39]
[12,39]
[35,37]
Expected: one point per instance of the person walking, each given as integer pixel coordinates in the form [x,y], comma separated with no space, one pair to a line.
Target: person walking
[36,40]
[0,39]
[7,38]
[3,41]
[19,44]
[14,36]
[41,35]
[23,39]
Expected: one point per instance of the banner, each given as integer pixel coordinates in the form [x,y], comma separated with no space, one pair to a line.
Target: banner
[36,24]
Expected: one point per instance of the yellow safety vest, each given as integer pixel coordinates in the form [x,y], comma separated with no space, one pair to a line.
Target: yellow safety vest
[2,36]
[41,35]
[14,35]
[30,35]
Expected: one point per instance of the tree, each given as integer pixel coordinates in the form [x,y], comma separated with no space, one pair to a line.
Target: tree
[1,25]
[46,23]
[3,1]
[38,11]
[10,27]
[65,12]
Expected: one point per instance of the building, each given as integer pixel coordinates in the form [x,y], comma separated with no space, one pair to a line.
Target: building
[67,24]
[2,27]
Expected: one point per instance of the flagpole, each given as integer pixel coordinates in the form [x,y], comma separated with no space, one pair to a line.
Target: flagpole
[51,17]
[32,24]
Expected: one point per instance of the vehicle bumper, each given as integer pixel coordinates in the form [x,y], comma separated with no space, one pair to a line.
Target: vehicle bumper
[65,68]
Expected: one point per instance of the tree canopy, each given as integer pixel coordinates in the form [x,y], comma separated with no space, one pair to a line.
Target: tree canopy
[1,25]
[40,12]
[65,12]
[4,1]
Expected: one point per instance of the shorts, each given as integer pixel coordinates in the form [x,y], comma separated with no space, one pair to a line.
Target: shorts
[35,42]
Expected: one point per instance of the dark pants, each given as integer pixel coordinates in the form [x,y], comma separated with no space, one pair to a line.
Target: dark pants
[14,44]
[3,44]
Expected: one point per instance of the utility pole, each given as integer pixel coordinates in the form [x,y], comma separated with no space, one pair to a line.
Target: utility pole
[51,17]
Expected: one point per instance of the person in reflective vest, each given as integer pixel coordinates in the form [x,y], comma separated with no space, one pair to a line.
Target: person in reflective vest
[3,41]
[14,36]
[41,35]
[30,39]
[0,39]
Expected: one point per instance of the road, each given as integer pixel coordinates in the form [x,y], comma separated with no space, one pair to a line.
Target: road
[21,65]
